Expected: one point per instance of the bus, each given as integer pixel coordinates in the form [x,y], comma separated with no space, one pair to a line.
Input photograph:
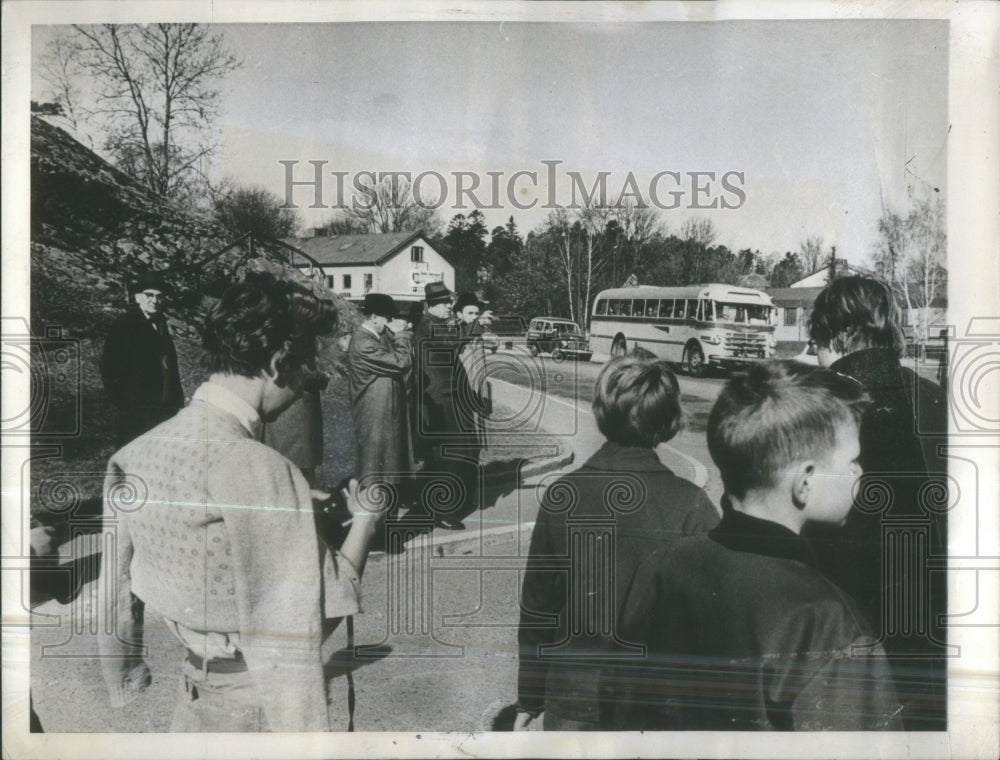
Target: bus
[695,326]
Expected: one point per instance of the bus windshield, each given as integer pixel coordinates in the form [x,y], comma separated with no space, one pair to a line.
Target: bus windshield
[742,313]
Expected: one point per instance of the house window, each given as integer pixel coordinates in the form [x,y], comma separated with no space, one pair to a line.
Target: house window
[329,281]
[368,282]
[347,282]
[791,316]
[417,254]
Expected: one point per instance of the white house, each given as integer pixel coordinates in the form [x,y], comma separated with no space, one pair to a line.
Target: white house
[397,264]
[794,306]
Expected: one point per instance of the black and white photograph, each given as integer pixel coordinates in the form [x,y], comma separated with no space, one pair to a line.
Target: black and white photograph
[452,379]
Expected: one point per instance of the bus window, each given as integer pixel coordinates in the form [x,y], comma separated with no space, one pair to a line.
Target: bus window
[651,307]
[709,313]
[626,308]
[602,307]
[725,312]
[758,315]
[638,307]
[679,308]
[667,307]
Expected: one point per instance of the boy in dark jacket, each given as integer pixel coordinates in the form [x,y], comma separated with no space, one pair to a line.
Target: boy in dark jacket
[741,631]
[594,527]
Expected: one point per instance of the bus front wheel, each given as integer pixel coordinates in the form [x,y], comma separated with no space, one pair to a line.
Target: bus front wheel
[618,347]
[694,361]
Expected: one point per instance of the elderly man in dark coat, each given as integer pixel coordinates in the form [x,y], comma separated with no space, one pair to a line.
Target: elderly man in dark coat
[139,364]
[378,360]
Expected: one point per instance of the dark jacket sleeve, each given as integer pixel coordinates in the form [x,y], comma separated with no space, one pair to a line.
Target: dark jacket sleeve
[542,596]
[849,693]
[113,362]
[632,694]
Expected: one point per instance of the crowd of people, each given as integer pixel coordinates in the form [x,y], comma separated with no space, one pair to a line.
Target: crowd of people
[779,615]
[225,543]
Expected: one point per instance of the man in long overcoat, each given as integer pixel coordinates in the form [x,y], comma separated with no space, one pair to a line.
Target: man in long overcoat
[448,406]
[378,359]
[139,364]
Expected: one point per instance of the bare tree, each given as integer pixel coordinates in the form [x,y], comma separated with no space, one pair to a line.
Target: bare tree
[156,90]
[698,230]
[811,253]
[246,209]
[911,254]
[389,206]
[59,67]
[633,225]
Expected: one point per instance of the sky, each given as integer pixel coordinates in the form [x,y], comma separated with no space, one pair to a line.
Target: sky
[826,121]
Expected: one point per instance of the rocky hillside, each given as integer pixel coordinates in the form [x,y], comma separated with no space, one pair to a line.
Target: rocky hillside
[92,229]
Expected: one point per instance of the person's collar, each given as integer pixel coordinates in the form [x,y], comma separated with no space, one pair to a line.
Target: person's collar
[742,533]
[371,329]
[619,458]
[224,399]
[872,367]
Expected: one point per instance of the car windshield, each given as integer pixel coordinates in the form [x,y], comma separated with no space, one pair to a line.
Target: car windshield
[742,313]
[566,328]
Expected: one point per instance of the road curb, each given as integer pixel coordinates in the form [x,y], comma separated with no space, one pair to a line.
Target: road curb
[529,470]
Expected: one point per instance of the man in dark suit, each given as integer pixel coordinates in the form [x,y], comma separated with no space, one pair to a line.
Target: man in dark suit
[139,364]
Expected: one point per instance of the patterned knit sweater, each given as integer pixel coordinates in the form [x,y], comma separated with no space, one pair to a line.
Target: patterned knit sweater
[216,532]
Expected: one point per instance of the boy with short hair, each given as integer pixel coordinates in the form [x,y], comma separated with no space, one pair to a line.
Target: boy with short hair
[742,632]
[594,526]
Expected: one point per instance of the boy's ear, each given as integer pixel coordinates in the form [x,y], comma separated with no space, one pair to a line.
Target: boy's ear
[802,481]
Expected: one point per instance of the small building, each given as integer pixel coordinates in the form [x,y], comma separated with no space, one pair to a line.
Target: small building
[397,264]
[794,306]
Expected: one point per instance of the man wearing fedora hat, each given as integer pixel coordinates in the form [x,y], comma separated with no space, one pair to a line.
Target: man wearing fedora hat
[379,359]
[139,363]
[447,405]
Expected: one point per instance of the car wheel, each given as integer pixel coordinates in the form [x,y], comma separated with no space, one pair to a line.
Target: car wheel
[618,347]
[694,362]
[533,349]
[557,354]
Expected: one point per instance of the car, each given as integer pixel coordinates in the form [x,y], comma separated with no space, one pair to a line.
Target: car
[807,355]
[561,338]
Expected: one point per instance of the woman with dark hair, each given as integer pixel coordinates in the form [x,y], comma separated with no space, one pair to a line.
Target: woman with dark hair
[882,555]
[216,532]
[594,527]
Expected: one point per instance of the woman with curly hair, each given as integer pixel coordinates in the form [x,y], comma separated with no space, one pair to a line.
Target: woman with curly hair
[216,532]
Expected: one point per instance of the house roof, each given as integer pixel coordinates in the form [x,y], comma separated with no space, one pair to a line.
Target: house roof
[788,297]
[843,267]
[353,250]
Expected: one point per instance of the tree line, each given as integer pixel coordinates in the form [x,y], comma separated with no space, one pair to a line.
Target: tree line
[148,96]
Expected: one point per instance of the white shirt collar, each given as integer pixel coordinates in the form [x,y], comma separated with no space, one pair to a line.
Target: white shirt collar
[371,329]
[222,398]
